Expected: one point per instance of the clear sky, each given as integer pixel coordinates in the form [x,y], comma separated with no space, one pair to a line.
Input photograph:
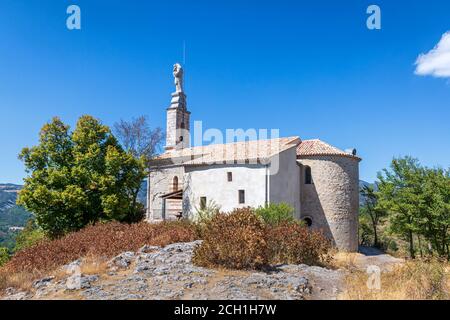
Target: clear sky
[309,68]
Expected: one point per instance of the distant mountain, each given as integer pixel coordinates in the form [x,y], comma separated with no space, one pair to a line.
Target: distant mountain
[142,195]
[362,184]
[12,217]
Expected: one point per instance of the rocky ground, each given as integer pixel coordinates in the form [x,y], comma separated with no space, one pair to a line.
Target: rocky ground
[167,273]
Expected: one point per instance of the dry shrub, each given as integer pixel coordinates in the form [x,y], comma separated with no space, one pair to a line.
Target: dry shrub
[241,240]
[292,243]
[101,240]
[414,280]
[234,241]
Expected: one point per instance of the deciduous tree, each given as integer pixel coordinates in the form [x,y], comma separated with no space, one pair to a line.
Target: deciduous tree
[80,177]
[372,210]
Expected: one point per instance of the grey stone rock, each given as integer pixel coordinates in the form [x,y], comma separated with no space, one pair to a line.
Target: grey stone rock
[72,266]
[122,261]
[168,273]
[42,282]
[10,291]
[86,281]
[18,296]
[148,249]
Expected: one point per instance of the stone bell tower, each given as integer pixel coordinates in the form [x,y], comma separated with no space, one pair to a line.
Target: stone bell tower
[177,134]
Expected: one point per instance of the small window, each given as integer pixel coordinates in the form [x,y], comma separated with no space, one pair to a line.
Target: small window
[230,176]
[241,196]
[175,184]
[202,203]
[308,221]
[308,175]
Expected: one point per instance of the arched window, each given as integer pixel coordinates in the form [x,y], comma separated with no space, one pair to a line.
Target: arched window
[308,221]
[308,175]
[175,184]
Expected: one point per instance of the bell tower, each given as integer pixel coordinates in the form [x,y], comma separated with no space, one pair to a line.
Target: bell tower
[178,118]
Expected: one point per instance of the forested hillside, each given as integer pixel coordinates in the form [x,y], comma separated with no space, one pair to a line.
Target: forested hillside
[12,217]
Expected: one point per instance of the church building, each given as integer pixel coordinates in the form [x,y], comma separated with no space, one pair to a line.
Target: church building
[319,181]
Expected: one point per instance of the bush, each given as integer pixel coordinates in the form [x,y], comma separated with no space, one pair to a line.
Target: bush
[235,240]
[241,240]
[204,215]
[366,237]
[101,240]
[4,256]
[29,236]
[292,243]
[274,214]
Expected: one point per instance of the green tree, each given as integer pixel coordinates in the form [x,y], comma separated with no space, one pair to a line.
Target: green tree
[29,236]
[400,194]
[4,256]
[434,221]
[80,177]
[372,210]
[276,213]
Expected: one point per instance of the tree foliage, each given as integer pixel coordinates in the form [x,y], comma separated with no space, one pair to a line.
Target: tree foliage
[418,203]
[80,177]
[29,236]
[371,209]
[276,213]
[4,255]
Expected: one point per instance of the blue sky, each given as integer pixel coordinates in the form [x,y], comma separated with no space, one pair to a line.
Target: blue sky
[309,68]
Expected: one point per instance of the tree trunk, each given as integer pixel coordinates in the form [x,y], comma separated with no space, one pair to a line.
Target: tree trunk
[411,245]
[420,246]
[375,236]
[374,227]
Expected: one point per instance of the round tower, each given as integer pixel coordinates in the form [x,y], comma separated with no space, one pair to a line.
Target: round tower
[330,191]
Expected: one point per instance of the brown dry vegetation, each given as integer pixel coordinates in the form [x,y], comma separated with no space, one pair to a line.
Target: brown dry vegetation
[98,242]
[414,280]
[296,244]
[240,240]
[234,241]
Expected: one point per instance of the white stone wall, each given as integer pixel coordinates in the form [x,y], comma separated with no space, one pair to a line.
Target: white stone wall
[211,182]
[161,182]
[284,180]
[332,201]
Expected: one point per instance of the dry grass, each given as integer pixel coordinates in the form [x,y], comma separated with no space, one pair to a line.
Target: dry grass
[414,280]
[19,280]
[93,265]
[95,244]
[344,260]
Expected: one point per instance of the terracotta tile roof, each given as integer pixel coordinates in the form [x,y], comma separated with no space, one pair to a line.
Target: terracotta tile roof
[317,147]
[257,151]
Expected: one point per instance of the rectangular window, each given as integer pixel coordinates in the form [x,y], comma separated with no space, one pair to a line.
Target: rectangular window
[241,196]
[308,175]
[202,203]
[230,176]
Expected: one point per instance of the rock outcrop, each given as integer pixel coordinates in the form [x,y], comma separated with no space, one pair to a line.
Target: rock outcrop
[168,273]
